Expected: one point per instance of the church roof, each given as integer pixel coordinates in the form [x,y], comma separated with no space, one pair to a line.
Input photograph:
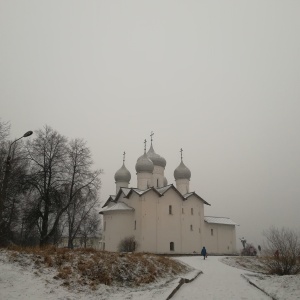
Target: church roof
[159,191]
[117,207]
[111,198]
[186,196]
[219,220]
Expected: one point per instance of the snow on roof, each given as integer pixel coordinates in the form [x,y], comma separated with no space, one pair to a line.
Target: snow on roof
[186,196]
[164,189]
[117,207]
[126,191]
[219,220]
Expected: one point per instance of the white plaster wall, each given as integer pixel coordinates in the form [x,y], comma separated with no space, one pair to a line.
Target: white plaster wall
[223,240]
[183,186]
[121,184]
[158,175]
[144,180]
[118,225]
[193,214]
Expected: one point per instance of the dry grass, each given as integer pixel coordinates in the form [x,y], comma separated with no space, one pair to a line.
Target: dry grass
[91,267]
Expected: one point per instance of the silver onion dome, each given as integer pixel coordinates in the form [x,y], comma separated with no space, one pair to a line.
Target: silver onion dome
[122,175]
[156,159]
[182,172]
[144,164]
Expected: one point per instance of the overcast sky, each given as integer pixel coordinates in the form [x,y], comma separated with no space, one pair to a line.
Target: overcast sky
[219,79]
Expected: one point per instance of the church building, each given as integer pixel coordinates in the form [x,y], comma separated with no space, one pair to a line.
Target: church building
[162,218]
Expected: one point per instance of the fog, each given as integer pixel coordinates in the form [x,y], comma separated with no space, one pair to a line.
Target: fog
[219,79]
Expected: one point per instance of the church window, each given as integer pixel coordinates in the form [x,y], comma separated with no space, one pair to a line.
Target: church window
[157,183]
[172,246]
[191,227]
[211,232]
[199,230]
[104,226]
[182,210]
[192,211]
[135,225]
[170,209]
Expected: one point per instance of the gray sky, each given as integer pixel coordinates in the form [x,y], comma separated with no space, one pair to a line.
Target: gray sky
[218,78]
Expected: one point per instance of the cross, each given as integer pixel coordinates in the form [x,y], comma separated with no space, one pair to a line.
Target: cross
[152,133]
[181,152]
[145,141]
[124,156]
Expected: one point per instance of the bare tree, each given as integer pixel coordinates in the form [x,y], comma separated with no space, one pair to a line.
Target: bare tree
[82,186]
[47,153]
[89,227]
[282,251]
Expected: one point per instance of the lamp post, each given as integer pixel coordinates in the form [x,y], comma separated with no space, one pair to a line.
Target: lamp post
[5,179]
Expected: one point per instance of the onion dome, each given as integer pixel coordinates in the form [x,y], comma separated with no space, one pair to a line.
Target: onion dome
[144,164]
[156,159]
[122,175]
[182,172]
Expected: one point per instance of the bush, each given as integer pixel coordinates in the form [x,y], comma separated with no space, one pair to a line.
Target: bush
[249,250]
[128,244]
[281,253]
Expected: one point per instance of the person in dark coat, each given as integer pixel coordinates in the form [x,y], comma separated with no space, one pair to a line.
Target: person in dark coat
[203,253]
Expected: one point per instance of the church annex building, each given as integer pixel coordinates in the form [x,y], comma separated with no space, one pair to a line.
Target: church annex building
[163,218]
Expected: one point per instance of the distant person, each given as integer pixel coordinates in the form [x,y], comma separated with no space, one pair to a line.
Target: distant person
[243,240]
[204,253]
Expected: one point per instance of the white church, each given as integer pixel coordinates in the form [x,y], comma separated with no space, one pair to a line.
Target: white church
[162,218]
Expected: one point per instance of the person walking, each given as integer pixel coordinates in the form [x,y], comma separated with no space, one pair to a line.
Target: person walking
[203,253]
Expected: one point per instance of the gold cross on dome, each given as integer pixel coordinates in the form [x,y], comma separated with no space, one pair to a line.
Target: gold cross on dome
[181,153]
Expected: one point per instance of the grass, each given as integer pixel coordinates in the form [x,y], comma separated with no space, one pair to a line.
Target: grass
[91,267]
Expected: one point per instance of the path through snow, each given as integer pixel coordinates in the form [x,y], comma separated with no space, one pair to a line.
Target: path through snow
[218,281]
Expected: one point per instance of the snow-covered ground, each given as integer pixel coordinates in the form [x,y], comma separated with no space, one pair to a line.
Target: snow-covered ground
[218,281]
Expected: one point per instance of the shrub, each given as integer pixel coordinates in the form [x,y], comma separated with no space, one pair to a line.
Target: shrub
[249,250]
[281,251]
[128,244]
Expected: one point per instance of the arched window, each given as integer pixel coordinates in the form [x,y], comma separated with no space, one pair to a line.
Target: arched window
[172,246]
[170,209]
[157,183]
[134,225]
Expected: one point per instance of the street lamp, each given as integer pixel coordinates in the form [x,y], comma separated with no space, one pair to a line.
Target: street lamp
[5,179]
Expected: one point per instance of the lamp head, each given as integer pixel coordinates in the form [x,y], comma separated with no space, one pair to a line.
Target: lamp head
[28,133]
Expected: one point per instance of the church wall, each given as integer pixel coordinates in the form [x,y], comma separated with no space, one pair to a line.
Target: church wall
[158,176]
[136,202]
[144,180]
[121,184]
[182,186]
[192,225]
[169,224]
[148,222]
[222,240]
[117,226]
